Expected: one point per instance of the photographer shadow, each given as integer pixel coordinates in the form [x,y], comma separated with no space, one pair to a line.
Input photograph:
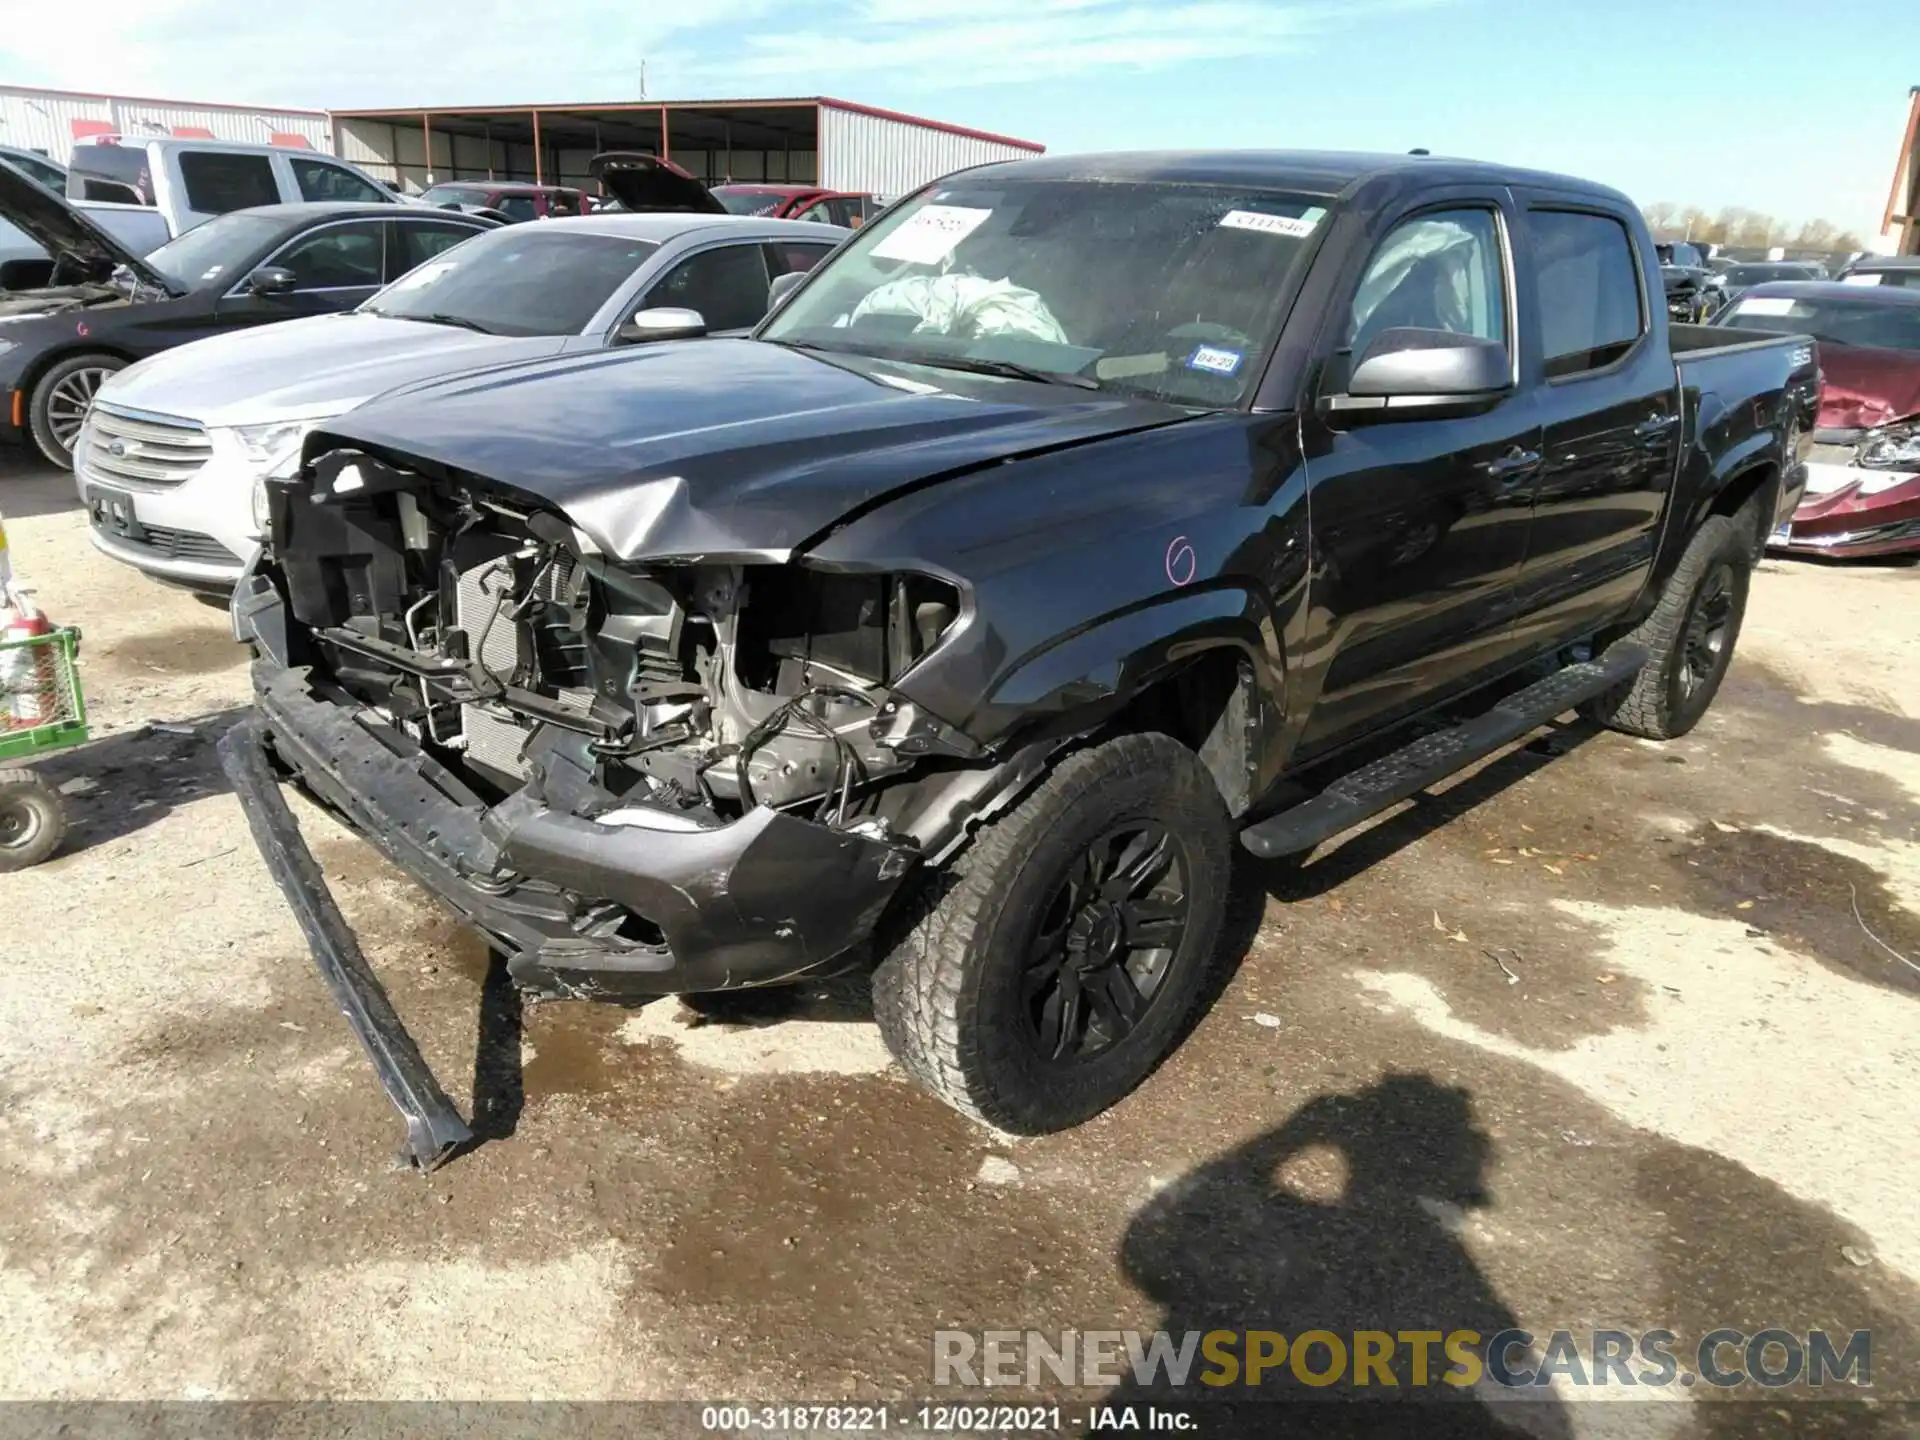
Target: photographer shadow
[1235,1246]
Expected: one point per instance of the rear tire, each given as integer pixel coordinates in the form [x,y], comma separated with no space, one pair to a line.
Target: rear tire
[33,819]
[60,400]
[1044,976]
[1689,637]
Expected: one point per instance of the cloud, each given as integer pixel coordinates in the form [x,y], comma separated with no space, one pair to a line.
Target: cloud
[443,52]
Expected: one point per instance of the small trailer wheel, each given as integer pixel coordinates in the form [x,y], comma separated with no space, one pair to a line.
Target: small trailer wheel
[33,819]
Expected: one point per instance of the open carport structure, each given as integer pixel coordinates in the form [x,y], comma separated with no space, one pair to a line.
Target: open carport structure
[815,140]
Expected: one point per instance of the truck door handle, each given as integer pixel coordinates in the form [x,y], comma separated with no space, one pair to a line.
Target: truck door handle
[1513,465]
[1655,427]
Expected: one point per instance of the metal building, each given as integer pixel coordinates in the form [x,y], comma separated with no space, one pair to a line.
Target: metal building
[52,121]
[814,140]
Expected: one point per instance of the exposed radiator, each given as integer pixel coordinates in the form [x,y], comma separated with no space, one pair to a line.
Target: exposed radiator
[491,740]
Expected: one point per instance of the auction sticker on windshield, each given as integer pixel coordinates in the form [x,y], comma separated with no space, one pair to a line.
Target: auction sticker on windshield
[1271,224]
[1765,305]
[929,234]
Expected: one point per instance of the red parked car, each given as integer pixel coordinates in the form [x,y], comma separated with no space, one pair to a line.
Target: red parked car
[799,202]
[513,201]
[1863,477]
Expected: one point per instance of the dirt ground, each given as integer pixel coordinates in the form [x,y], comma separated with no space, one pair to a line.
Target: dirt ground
[1606,1034]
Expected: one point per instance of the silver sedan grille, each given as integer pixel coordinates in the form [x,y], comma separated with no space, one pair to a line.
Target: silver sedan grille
[143,452]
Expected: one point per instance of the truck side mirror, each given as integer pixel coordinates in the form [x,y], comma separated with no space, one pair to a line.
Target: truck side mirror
[272,280]
[1411,372]
[661,322]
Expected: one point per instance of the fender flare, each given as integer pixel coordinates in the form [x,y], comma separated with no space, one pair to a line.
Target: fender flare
[1080,679]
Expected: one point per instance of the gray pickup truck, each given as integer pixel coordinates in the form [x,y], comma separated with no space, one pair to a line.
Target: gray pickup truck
[1076,517]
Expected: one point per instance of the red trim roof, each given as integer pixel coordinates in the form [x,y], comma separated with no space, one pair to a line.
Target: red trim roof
[774,103]
[829,102]
[155,100]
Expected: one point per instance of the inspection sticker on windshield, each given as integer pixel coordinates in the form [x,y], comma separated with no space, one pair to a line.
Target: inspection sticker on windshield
[1765,305]
[930,233]
[1214,360]
[1272,224]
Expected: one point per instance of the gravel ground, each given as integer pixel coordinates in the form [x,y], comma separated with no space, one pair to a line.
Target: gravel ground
[1605,1034]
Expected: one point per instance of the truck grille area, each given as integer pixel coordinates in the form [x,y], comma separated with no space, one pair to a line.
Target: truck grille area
[144,452]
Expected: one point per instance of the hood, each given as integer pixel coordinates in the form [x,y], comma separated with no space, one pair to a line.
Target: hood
[643,182]
[310,368]
[60,229]
[1866,388]
[730,450]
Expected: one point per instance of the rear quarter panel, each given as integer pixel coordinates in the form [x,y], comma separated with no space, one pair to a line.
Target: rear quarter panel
[1751,412]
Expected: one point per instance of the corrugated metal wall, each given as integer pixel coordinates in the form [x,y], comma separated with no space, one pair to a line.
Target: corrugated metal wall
[43,120]
[397,152]
[889,157]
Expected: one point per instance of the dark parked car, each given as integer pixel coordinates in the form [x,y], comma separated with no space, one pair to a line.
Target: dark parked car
[1742,276]
[515,202]
[1077,515]
[1863,475]
[1898,270]
[107,307]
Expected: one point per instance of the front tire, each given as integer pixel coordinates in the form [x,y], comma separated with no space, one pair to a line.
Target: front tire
[60,400]
[1689,636]
[33,820]
[1061,958]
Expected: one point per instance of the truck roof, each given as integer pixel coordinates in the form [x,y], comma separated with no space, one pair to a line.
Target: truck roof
[1309,172]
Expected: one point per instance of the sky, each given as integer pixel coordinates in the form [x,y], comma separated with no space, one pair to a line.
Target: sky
[1784,106]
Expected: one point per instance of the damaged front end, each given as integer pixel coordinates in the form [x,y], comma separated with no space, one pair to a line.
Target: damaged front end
[637,779]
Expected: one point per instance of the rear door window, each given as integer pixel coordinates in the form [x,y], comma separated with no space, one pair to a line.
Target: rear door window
[518,207]
[320,181]
[727,285]
[792,257]
[1586,287]
[336,257]
[414,242]
[218,183]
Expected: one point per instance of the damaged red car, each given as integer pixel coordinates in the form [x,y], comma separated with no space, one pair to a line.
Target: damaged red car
[1863,475]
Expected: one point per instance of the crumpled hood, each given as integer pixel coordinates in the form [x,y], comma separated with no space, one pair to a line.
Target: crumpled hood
[310,368]
[726,449]
[1867,388]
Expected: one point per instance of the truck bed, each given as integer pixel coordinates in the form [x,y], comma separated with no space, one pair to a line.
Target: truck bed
[1691,343]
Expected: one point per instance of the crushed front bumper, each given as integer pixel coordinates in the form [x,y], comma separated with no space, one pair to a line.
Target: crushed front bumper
[765,899]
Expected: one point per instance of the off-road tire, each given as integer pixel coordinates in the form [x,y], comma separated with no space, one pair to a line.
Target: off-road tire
[33,820]
[946,993]
[1658,703]
[47,392]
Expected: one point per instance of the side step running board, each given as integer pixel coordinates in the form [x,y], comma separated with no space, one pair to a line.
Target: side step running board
[1430,759]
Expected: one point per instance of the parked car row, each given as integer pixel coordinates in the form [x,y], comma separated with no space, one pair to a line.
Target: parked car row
[160,382]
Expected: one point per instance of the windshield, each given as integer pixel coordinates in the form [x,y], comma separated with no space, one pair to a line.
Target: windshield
[212,253]
[748,202]
[1835,321]
[1682,254]
[1166,290]
[527,280]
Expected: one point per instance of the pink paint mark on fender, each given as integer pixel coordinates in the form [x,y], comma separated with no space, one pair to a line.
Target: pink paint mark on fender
[81,328]
[1181,561]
